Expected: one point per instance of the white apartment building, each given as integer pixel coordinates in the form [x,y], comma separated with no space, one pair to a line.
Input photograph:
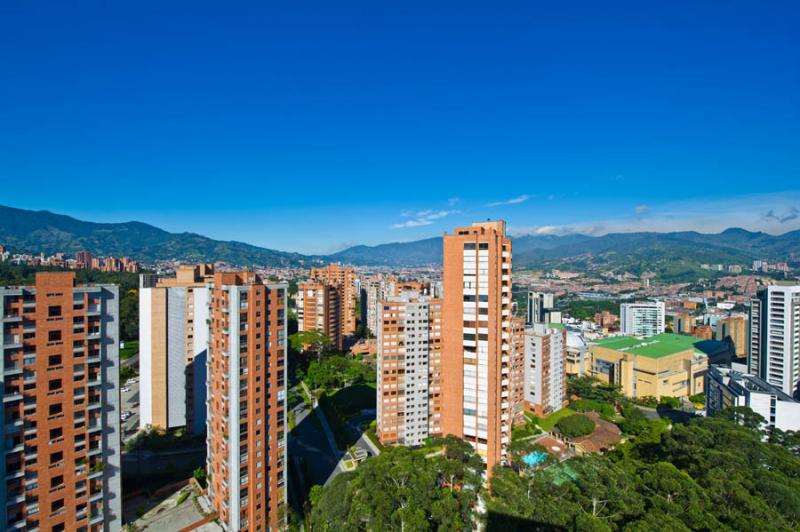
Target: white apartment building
[732,387]
[545,368]
[774,350]
[642,319]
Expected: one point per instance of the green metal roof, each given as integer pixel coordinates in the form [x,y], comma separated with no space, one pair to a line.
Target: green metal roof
[657,346]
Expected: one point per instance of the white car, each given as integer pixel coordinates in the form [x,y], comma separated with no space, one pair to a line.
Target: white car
[124,389]
[132,381]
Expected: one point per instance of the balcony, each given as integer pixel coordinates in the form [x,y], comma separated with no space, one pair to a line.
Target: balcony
[12,368]
[12,341]
[12,396]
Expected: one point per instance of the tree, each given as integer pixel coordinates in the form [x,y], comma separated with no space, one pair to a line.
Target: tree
[714,473]
[402,490]
[575,426]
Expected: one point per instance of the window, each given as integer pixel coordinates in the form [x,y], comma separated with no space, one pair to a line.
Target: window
[56,433]
[54,385]
[54,360]
[56,457]
[56,409]
[469,246]
[54,311]
[53,336]
[56,505]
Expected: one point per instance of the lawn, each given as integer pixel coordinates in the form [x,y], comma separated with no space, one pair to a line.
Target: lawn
[130,349]
[550,421]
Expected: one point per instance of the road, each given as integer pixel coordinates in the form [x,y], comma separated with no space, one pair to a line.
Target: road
[130,403]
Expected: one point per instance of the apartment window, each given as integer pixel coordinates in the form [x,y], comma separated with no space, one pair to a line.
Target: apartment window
[56,409]
[469,246]
[483,245]
[54,311]
[56,457]
[56,505]
[54,360]
[56,433]
[53,336]
[54,385]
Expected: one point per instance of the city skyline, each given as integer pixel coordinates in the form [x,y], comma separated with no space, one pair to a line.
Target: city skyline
[612,118]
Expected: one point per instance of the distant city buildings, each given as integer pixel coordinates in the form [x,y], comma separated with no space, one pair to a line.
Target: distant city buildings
[774,351]
[540,304]
[409,408]
[246,454]
[643,319]
[173,348]
[606,320]
[661,365]
[545,377]
[83,260]
[477,334]
[60,408]
[731,387]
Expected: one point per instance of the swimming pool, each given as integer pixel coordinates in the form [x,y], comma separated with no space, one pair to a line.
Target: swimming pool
[534,459]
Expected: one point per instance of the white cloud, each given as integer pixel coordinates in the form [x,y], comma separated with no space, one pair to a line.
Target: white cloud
[512,201]
[774,213]
[420,218]
[641,209]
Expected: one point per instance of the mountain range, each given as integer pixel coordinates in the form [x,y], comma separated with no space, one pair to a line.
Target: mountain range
[673,255]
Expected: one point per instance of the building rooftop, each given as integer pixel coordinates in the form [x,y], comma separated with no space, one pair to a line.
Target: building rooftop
[658,346]
[556,325]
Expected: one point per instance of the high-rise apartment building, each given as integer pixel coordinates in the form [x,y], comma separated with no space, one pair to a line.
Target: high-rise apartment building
[246,458]
[517,384]
[539,304]
[545,368]
[318,308]
[643,319]
[60,407]
[477,348]
[173,348]
[343,278]
[409,370]
[774,353]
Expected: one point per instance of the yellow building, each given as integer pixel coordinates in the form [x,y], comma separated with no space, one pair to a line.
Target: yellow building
[662,365]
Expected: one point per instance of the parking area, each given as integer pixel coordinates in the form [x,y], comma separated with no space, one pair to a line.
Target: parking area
[129,424]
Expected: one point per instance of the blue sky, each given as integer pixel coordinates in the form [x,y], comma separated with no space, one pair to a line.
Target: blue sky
[311,126]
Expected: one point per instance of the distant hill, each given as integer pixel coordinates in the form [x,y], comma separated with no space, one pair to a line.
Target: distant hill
[34,231]
[417,253]
[672,256]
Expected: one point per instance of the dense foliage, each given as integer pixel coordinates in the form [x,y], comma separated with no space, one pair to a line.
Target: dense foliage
[337,371]
[711,474]
[575,426]
[402,489]
[584,309]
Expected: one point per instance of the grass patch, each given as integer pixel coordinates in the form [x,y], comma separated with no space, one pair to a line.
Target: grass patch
[370,432]
[550,421]
[183,497]
[130,349]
